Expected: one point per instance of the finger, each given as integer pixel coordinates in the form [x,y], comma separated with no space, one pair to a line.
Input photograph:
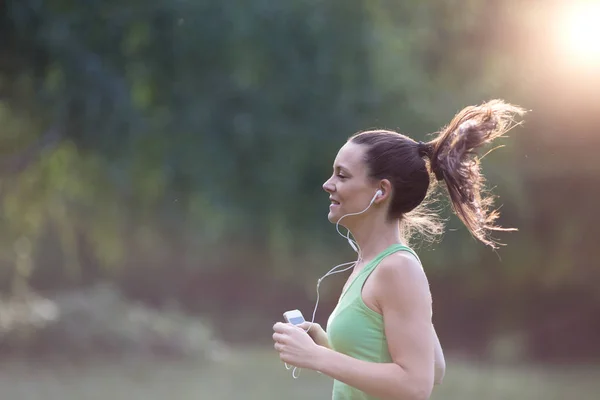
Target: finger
[278,346]
[279,337]
[296,328]
[281,327]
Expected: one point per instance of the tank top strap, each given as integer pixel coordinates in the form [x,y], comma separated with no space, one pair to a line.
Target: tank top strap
[389,250]
[360,279]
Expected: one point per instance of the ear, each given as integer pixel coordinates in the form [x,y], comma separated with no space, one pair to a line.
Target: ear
[386,189]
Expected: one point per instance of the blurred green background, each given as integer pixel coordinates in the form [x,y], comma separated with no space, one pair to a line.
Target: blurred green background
[161,164]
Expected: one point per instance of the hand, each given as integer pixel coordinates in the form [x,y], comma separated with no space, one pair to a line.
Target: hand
[317,333]
[294,345]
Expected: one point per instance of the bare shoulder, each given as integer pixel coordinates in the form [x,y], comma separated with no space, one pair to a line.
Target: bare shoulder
[401,270]
[401,282]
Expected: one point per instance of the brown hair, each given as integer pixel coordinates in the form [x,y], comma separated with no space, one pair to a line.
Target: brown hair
[452,159]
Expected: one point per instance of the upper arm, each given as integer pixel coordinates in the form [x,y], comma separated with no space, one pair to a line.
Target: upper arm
[440,362]
[404,298]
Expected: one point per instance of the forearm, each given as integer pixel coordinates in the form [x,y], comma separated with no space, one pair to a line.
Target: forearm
[381,380]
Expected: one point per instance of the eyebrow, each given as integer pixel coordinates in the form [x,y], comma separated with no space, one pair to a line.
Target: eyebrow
[341,166]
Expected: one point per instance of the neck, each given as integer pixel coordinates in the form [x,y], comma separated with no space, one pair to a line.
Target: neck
[373,235]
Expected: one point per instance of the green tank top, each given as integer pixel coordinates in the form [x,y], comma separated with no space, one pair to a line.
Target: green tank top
[356,330]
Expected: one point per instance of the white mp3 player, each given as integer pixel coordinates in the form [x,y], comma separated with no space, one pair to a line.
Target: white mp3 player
[294,317]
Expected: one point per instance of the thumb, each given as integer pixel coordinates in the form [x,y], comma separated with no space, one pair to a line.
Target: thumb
[305,325]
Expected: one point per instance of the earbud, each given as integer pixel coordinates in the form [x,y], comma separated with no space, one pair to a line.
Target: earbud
[377,193]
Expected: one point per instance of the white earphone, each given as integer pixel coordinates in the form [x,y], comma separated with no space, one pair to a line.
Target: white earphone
[332,271]
[377,193]
[351,242]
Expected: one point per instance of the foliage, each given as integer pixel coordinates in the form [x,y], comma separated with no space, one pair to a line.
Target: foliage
[150,143]
[98,321]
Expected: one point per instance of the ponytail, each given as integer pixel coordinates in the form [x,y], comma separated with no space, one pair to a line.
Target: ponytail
[453,160]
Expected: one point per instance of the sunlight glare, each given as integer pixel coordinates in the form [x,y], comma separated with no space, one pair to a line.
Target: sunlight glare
[582,31]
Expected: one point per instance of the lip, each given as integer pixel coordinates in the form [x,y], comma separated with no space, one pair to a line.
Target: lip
[334,203]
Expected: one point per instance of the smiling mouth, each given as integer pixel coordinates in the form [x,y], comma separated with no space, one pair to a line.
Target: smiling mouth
[335,203]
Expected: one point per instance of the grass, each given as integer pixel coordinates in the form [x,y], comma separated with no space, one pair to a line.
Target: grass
[258,374]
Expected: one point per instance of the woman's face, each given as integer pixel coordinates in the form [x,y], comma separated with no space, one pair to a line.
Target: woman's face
[350,189]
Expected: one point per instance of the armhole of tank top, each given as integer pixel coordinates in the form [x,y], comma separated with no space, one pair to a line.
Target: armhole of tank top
[361,301]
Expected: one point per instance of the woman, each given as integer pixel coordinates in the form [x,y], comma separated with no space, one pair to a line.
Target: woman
[380,341]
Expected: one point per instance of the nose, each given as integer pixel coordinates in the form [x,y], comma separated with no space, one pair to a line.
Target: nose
[328,186]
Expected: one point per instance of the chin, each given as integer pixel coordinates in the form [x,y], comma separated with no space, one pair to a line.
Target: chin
[332,218]
[334,214]
[335,217]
